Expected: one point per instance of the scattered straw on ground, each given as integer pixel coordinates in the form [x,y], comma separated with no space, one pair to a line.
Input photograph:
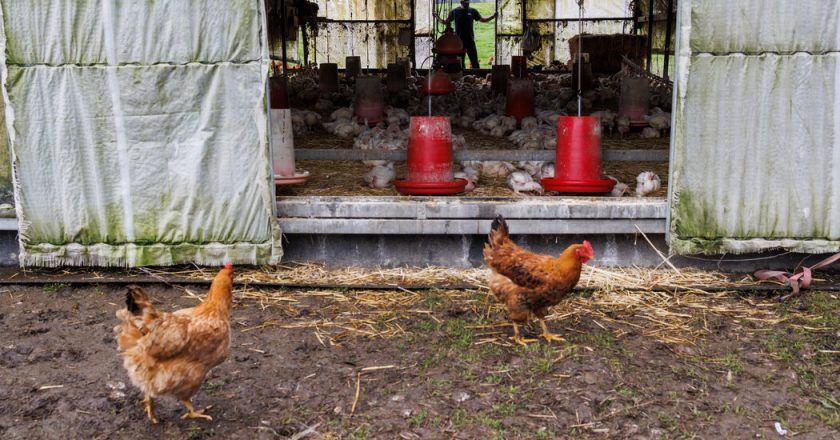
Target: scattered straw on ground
[664,304]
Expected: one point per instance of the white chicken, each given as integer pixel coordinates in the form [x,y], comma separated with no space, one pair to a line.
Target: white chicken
[532,167]
[547,170]
[521,181]
[607,118]
[529,123]
[380,176]
[619,189]
[470,182]
[344,113]
[659,120]
[650,133]
[647,183]
[494,168]
[622,124]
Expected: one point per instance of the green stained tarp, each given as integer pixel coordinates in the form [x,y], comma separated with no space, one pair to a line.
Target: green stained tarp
[757,127]
[138,131]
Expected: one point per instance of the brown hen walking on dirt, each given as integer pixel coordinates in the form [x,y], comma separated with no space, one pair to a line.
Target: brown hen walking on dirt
[171,353]
[528,283]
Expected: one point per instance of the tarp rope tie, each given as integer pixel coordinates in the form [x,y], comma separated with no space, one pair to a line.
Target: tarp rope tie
[801,279]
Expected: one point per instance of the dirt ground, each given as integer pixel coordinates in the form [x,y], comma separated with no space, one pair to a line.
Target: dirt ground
[430,364]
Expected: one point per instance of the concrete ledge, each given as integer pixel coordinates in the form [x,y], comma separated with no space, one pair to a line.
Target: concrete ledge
[473,215]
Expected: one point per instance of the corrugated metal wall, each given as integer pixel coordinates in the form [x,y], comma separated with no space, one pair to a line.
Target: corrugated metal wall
[757,127]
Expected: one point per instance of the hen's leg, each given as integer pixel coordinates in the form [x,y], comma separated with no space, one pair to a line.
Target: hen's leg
[519,339]
[193,413]
[149,406]
[547,334]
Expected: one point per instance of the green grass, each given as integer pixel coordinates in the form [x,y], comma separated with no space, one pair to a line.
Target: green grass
[485,33]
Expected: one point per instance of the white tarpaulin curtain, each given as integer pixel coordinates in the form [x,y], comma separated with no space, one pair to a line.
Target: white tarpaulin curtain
[138,131]
[757,129]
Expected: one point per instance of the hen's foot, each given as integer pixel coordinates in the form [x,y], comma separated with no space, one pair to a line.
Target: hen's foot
[149,406]
[547,335]
[193,413]
[519,339]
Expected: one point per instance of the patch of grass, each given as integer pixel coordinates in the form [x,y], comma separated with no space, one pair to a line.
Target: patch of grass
[624,392]
[506,409]
[667,422]
[460,417]
[212,387]
[488,421]
[461,336]
[419,419]
[542,434]
[359,433]
[602,340]
[54,287]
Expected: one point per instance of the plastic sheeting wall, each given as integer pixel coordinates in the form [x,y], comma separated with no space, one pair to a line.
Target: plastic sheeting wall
[138,131]
[756,146]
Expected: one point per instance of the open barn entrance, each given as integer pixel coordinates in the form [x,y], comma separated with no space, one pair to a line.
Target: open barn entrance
[352,164]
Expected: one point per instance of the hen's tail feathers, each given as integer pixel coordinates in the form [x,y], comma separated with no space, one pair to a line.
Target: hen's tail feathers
[136,300]
[498,230]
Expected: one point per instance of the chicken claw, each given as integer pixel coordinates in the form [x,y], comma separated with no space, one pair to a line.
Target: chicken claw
[193,413]
[547,335]
[519,339]
[149,406]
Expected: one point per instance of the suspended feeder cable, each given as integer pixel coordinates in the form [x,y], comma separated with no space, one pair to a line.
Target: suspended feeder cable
[580,56]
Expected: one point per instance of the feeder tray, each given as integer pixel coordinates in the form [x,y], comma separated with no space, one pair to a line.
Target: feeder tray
[577,186]
[299,178]
[431,188]
[639,124]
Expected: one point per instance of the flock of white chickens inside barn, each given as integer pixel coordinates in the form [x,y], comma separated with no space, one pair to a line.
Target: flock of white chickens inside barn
[474,107]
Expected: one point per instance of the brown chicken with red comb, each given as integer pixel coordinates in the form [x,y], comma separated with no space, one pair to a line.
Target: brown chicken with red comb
[527,283]
[171,353]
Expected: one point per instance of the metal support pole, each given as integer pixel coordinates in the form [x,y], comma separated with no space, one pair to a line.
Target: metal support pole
[283,35]
[650,35]
[668,29]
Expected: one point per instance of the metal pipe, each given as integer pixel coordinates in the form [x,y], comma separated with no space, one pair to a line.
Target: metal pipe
[668,28]
[650,35]
[508,155]
[283,36]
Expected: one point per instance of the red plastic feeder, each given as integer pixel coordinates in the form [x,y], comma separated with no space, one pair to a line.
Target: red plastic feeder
[634,100]
[520,98]
[436,83]
[368,105]
[429,170]
[519,66]
[577,165]
[499,80]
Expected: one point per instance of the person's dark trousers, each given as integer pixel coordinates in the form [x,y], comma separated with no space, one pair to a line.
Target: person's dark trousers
[472,52]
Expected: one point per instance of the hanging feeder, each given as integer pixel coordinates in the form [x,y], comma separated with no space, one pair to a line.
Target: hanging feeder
[429,162]
[634,100]
[499,79]
[520,98]
[368,105]
[436,83]
[328,77]
[577,162]
[450,50]
[519,66]
[352,67]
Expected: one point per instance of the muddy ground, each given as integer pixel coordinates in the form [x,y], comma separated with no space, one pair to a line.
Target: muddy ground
[445,370]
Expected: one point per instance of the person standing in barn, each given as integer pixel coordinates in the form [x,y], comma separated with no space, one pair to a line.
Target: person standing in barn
[464,17]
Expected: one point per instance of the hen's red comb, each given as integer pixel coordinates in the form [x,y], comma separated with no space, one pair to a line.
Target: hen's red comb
[229,266]
[588,247]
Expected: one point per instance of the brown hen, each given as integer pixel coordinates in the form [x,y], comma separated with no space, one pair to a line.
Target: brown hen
[171,353]
[527,283]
